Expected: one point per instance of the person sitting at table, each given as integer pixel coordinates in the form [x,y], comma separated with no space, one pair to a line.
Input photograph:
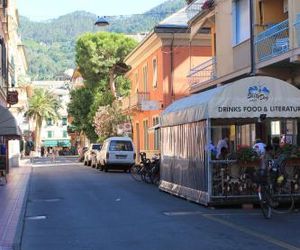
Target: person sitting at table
[222,145]
[259,147]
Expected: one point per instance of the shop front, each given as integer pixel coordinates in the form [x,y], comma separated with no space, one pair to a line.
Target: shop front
[242,111]
[8,131]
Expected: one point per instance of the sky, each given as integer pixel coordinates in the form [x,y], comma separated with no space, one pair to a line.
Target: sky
[38,10]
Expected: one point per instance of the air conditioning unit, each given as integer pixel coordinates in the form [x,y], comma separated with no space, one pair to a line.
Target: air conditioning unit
[285,6]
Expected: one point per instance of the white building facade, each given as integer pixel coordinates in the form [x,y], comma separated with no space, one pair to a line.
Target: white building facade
[54,133]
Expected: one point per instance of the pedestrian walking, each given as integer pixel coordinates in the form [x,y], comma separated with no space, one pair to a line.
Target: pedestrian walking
[54,153]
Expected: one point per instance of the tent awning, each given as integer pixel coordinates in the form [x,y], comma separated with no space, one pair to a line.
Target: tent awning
[8,124]
[56,143]
[246,98]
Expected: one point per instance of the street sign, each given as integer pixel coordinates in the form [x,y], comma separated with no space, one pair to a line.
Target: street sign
[12,97]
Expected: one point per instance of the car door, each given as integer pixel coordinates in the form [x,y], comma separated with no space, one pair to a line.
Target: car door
[102,153]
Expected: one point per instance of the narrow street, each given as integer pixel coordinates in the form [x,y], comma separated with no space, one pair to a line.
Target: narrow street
[74,207]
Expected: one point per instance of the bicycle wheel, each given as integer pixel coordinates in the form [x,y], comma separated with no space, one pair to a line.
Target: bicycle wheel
[288,203]
[135,172]
[147,176]
[287,207]
[265,198]
[155,175]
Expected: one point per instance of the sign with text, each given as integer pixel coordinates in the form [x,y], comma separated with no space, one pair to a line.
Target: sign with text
[12,97]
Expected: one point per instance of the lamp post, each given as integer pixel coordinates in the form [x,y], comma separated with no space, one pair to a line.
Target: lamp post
[101,21]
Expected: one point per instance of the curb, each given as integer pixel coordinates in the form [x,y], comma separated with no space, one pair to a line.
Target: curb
[17,242]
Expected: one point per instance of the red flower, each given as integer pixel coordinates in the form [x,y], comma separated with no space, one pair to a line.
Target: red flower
[208,4]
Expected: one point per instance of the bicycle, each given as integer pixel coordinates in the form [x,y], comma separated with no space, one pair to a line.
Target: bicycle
[139,171]
[273,186]
[147,170]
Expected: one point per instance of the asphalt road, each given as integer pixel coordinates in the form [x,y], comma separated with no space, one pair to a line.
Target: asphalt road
[75,207]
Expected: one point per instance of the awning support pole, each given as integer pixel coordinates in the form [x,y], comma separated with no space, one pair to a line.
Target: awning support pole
[208,165]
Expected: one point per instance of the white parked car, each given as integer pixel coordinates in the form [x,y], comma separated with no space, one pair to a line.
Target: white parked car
[91,153]
[116,153]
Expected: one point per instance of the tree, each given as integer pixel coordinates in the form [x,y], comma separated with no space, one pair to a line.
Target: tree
[42,105]
[106,120]
[79,108]
[100,57]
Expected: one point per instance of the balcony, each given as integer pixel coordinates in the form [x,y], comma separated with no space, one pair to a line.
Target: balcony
[272,42]
[135,101]
[203,73]
[297,29]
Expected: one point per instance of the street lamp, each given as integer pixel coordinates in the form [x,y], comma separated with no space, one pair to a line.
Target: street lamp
[101,21]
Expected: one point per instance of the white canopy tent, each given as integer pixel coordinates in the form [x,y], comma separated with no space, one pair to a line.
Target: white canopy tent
[245,98]
[186,129]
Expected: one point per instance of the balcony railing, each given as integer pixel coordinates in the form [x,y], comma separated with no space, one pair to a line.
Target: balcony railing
[135,101]
[297,29]
[203,73]
[272,42]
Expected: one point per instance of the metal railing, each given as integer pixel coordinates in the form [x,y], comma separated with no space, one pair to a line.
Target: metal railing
[135,101]
[203,73]
[272,42]
[297,29]
[194,8]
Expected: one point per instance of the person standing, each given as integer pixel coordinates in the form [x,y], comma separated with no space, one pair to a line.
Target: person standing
[259,147]
[54,152]
[42,151]
[222,147]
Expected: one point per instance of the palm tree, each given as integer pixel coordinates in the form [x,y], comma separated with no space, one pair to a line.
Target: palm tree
[42,105]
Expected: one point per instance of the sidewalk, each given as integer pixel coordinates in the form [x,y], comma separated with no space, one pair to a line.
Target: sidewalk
[12,204]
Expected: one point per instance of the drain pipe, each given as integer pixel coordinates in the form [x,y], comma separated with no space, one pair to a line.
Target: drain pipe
[252,45]
[172,68]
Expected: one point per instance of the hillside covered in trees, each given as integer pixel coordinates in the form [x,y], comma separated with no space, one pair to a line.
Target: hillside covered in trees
[50,45]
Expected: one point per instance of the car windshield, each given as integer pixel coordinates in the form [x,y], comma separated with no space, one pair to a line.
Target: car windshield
[96,146]
[120,146]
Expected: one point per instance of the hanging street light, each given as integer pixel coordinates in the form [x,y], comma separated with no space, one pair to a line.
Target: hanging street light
[101,21]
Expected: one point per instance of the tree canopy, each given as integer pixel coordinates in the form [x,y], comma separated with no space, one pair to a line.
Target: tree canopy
[100,57]
[100,60]
[79,108]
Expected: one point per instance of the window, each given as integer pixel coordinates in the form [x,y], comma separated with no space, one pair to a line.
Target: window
[241,21]
[146,135]
[275,128]
[246,134]
[145,78]
[64,121]
[120,146]
[156,134]
[49,122]
[136,80]
[65,134]
[50,134]
[154,64]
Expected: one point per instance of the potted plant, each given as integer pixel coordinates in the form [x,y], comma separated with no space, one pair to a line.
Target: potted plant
[247,156]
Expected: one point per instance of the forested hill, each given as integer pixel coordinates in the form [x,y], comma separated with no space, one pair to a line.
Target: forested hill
[50,45]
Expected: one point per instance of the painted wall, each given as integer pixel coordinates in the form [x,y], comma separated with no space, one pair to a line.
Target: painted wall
[173,66]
